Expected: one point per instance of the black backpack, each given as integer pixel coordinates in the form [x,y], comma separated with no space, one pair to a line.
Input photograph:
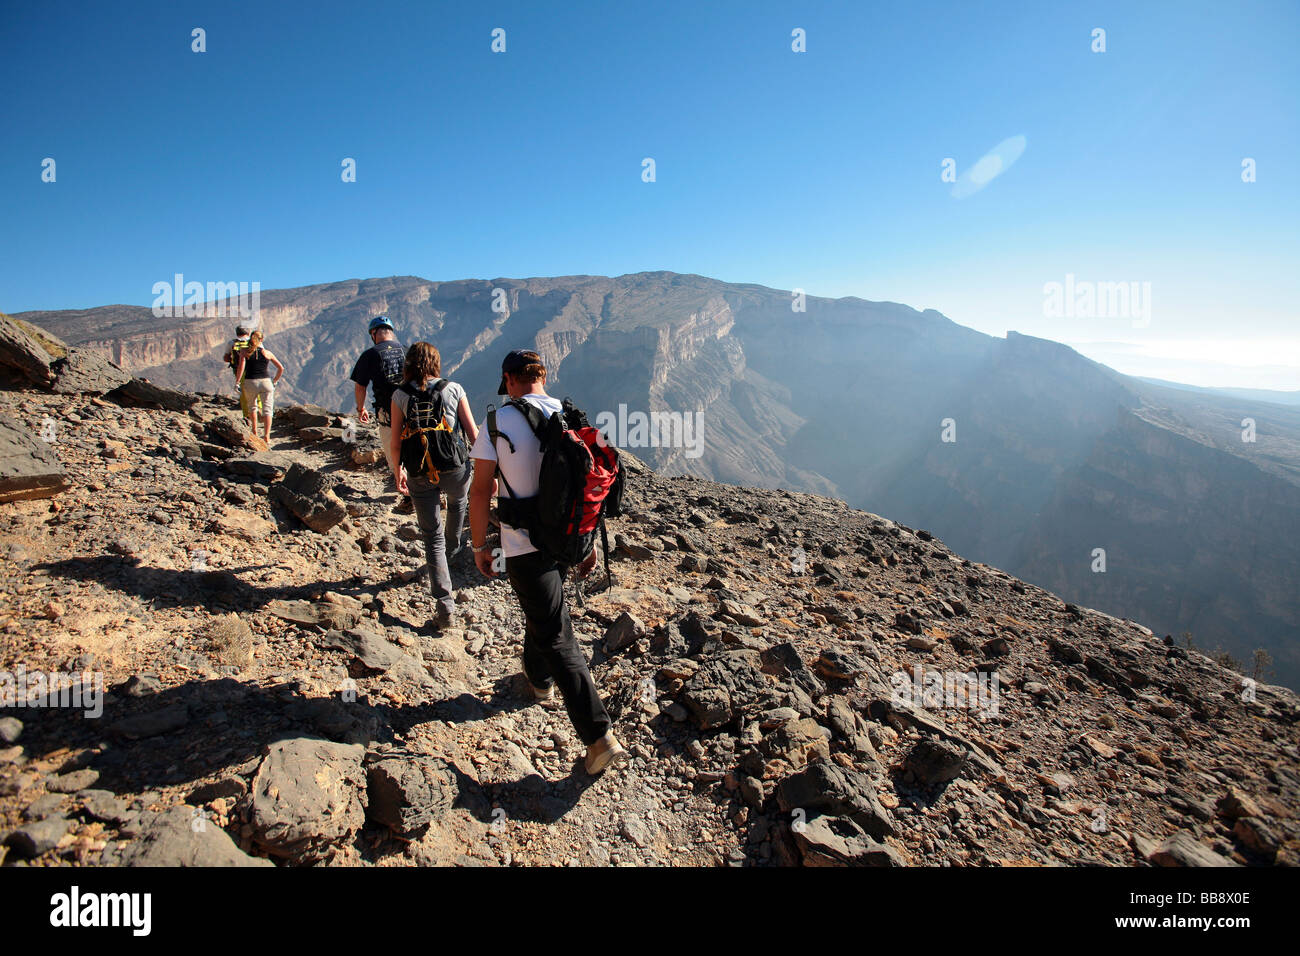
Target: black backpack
[428,445]
[580,482]
[391,360]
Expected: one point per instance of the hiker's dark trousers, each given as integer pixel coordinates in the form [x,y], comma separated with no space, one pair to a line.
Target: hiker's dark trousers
[551,653]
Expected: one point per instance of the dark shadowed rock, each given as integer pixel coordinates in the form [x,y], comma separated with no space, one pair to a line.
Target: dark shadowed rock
[408,792]
[225,787]
[83,371]
[139,391]
[623,632]
[841,665]
[309,495]
[307,416]
[29,467]
[723,686]
[262,465]
[172,717]
[22,354]
[935,761]
[827,788]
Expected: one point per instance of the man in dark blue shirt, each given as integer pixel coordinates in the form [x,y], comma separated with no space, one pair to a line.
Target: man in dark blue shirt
[380,368]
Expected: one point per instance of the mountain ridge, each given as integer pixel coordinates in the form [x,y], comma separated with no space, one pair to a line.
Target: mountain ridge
[777,389]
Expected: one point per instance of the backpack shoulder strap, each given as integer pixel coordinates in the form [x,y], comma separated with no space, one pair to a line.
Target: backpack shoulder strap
[494,433]
[532,414]
[436,392]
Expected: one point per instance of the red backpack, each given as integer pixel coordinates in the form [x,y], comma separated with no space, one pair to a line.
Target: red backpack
[581,481]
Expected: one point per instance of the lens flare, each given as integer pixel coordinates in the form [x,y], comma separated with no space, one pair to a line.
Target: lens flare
[992,165]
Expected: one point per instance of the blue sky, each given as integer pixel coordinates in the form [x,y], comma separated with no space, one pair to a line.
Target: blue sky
[817,170]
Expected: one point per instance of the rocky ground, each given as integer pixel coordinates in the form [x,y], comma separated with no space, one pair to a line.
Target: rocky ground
[274,694]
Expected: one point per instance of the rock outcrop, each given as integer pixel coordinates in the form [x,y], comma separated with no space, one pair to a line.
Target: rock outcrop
[29,468]
[86,372]
[22,356]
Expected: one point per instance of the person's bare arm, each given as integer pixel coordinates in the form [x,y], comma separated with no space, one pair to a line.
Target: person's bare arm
[359,391]
[239,375]
[276,362]
[467,421]
[395,447]
[481,490]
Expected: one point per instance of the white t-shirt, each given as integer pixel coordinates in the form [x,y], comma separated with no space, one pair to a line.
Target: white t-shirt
[520,469]
[451,396]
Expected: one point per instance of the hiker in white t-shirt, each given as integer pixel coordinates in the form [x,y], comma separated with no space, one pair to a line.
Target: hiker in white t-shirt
[551,658]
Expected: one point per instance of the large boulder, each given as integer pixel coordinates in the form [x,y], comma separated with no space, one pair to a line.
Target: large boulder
[22,355]
[262,465]
[407,792]
[1183,849]
[28,466]
[83,371]
[307,416]
[142,392]
[234,432]
[180,836]
[308,795]
[838,841]
[723,687]
[825,788]
[309,495]
[935,761]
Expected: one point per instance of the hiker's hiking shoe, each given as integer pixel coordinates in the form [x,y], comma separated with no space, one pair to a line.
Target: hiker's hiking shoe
[604,753]
[546,696]
[441,619]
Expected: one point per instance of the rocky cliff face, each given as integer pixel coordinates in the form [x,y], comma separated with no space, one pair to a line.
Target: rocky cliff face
[1220,540]
[995,444]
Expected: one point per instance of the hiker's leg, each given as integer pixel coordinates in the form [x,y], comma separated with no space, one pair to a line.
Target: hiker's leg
[268,407]
[428,515]
[384,419]
[540,588]
[249,405]
[536,667]
[456,484]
